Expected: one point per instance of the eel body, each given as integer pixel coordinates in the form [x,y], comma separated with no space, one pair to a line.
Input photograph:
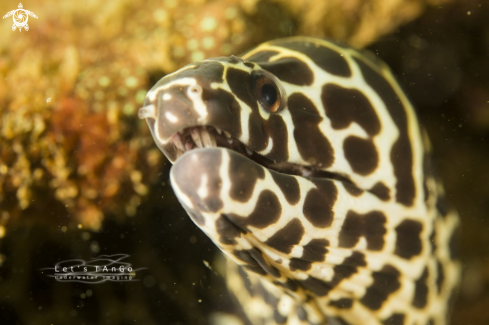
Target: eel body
[304,162]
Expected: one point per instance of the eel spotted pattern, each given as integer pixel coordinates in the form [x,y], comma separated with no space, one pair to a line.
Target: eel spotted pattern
[304,162]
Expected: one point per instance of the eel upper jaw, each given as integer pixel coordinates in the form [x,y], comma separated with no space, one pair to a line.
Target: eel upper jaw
[190,137]
[206,136]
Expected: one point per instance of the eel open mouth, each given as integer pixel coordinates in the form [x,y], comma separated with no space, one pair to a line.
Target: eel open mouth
[210,137]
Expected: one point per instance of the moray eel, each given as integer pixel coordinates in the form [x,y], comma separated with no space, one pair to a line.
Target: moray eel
[304,162]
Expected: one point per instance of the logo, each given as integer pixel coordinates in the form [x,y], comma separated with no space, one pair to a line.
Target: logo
[20,18]
[105,268]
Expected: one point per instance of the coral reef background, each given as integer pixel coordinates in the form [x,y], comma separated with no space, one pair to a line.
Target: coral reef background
[80,175]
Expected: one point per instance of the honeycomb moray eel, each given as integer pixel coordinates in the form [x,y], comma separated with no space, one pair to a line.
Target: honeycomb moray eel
[304,162]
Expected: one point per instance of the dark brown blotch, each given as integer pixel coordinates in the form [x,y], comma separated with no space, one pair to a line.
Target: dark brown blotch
[243,174]
[381,191]
[338,321]
[251,264]
[316,286]
[286,238]
[352,189]
[319,202]
[361,154]
[299,264]
[290,70]
[276,129]
[288,185]
[313,146]
[342,271]
[440,276]
[344,106]
[227,231]
[385,283]
[346,269]
[288,284]
[259,134]
[394,319]
[370,225]
[267,212]
[262,130]
[326,58]
[344,303]
[375,230]
[315,250]
[356,259]
[402,161]
[408,242]
[420,298]
[223,109]
[240,83]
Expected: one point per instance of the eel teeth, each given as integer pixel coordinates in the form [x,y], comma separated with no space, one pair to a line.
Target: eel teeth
[196,137]
[179,153]
[213,140]
[189,145]
[208,140]
[218,130]
[177,141]
[230,141]
[249,151]
[228,135]
[305,172]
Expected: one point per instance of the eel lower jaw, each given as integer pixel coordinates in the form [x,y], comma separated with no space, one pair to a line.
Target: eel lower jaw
[197,137]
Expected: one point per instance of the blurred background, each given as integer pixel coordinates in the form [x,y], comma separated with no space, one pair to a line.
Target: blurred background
[81,177]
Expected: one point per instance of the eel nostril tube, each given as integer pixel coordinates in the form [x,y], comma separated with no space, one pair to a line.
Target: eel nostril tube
[147,111]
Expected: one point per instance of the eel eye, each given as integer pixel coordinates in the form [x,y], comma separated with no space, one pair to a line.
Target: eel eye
[268,91]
